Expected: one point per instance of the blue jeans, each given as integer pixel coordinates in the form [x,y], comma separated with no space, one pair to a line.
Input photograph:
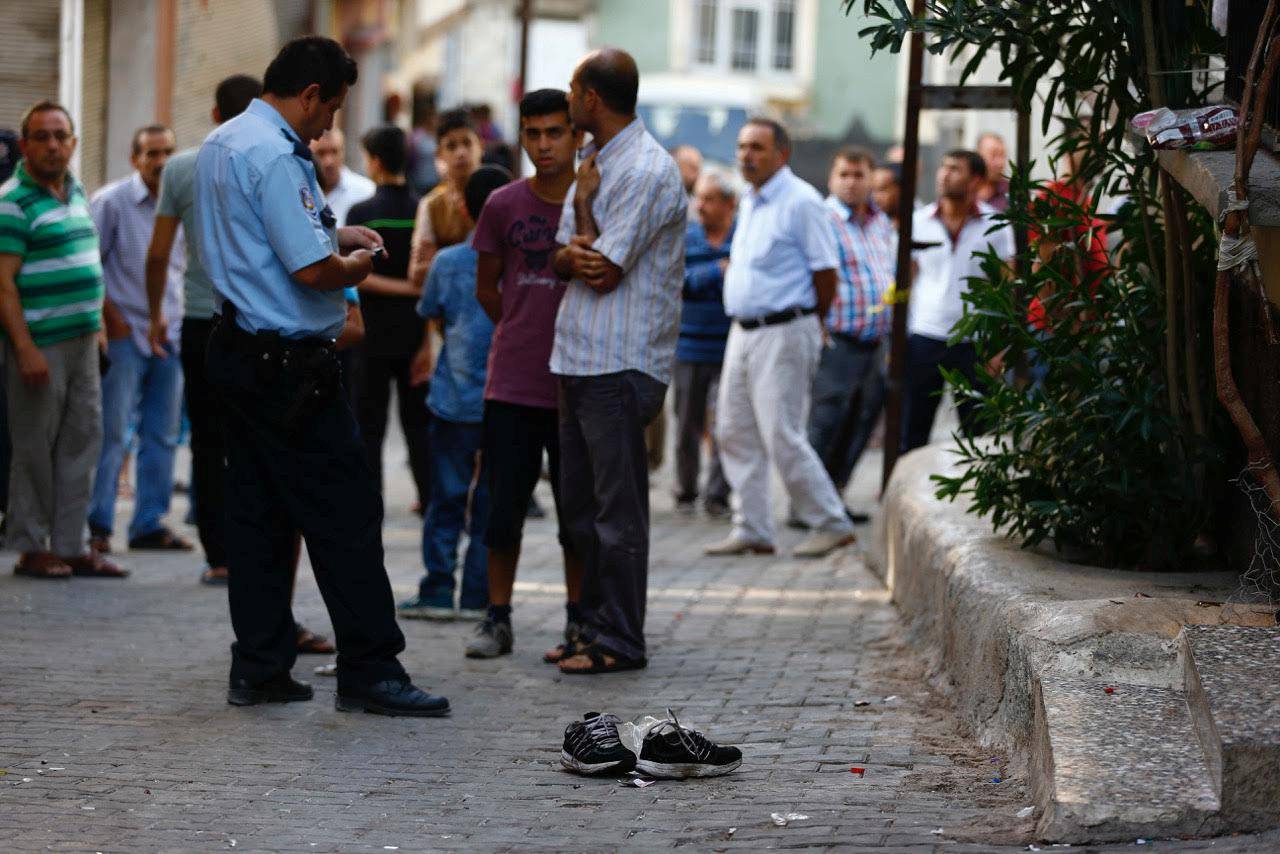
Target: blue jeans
[454,449]
[149,389]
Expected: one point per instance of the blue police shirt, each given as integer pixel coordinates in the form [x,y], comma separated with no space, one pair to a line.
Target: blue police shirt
[259,214]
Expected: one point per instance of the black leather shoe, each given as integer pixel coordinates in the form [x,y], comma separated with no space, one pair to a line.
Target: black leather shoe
[394,697]
[280,689]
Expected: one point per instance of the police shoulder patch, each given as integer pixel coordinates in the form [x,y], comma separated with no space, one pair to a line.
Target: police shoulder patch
[308,201]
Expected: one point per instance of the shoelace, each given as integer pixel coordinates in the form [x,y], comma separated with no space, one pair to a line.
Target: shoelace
[602,731]
[698,745]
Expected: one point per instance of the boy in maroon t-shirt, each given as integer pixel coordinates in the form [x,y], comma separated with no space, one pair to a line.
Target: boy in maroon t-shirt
[515,237]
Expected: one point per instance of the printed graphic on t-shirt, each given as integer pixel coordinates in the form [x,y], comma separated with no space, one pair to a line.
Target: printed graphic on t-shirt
[535,237]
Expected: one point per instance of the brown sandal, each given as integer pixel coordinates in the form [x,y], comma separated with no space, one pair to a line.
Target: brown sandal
[310,643]
[94,565]
[41,565]
[600,656]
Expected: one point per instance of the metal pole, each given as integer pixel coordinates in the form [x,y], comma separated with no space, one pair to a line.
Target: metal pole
[526,15]
[902,281]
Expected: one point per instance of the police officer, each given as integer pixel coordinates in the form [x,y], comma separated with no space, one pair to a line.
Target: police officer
[294,458]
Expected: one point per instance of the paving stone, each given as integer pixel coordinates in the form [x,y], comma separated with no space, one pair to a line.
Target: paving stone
[121,685]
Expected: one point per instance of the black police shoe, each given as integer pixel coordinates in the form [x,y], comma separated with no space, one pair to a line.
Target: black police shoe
[279,689]
[394,697]
[592,746]
[675,752]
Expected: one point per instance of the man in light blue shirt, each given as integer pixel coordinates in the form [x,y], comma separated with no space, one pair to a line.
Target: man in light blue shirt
[779,285]
[141,387]
[294,459]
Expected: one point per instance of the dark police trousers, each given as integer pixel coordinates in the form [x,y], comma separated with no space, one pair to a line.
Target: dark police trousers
[295,463]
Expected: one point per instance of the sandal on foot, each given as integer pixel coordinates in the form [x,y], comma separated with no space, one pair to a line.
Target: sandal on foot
[41,565]
[214,576]
[603,660]
[562,651]
[162,540]
[310,643]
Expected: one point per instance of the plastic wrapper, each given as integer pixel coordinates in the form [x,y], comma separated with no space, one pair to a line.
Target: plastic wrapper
[1196,128]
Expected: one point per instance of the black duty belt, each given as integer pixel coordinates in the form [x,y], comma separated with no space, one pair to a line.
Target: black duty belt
[784,316]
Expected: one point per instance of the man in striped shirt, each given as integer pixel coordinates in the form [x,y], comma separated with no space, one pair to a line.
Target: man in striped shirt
[51,311]
[622,238]
[858,317]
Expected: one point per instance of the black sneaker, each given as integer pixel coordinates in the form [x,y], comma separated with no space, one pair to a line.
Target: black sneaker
[591,746]
[675,752]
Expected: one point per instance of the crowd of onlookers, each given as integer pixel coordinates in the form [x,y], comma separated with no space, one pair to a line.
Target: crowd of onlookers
[528,328]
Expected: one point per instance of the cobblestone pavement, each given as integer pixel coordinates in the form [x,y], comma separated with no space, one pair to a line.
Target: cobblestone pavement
[115,734]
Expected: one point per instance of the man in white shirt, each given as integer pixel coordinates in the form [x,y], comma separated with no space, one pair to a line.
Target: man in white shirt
[959,224]
[779,285]
[342,187]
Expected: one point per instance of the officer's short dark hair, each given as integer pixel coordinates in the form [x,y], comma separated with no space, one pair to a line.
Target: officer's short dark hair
[855,154]
[233,95]
[451,120]
[544,102]
[387,143]
[977,166]
[482,182]
[135,147]
[44,107]
[612,73]
[781,139]
[308,60]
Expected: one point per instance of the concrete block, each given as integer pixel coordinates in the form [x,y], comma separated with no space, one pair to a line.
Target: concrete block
[1233,694]
[1117,765]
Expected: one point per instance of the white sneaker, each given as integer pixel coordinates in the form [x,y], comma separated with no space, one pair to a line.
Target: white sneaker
[823,543]
[732,545]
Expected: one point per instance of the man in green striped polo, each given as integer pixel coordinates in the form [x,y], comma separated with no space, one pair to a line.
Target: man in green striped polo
[51,313]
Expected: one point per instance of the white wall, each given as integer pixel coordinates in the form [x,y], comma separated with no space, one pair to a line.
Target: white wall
[131,79]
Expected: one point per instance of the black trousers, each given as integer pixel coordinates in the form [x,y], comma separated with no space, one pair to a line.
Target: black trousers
[372,378]
[311,478]
[925,357]
[208,450]
[604,495]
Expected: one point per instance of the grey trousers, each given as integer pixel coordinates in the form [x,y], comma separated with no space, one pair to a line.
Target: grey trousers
[604,496]
[56,432]
[694,386]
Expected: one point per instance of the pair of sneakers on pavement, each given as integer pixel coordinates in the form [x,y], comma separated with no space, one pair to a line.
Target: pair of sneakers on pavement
[666,749]
[818,544]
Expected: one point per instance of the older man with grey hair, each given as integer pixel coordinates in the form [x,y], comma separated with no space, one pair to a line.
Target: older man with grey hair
[704,329]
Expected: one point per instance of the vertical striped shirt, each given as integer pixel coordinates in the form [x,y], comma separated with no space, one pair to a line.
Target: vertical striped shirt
[867,249]
[641,210]
[60,280]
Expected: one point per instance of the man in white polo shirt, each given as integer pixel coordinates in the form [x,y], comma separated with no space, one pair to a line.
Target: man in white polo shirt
[962,227]
[780,282]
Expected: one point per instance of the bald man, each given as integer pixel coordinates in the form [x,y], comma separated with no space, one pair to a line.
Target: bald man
[621,241]
[342,187]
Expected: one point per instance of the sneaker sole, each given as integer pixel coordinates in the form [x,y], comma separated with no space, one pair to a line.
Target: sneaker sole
[475,653]
[683,770]
[568,761]
[250,697]
[348,704]
[439,614]
[847,540]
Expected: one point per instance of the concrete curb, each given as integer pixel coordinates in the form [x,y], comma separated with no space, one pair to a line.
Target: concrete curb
[999,621]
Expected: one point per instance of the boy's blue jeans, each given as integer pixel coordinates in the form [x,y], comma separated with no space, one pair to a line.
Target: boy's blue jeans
[455,478]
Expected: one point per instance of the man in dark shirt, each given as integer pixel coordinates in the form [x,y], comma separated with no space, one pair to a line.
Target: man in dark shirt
[392,328]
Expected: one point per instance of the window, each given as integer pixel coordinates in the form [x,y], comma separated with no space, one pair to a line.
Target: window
[705,24]
[784,27]
[746,26]
[753,37]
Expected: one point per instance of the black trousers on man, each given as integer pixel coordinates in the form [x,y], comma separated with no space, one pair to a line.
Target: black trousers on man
[303,474]
[926,357]
[604,495]
[208,450]
[372,378]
